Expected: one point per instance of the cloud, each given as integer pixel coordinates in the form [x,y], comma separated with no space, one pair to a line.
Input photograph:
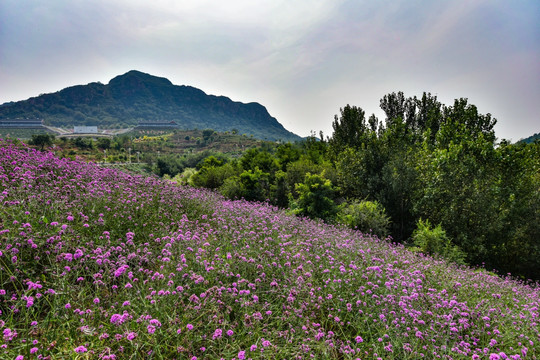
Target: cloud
[302,60]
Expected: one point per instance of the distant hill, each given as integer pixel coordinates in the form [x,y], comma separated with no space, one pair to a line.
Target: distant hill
[531,139]
[136,96]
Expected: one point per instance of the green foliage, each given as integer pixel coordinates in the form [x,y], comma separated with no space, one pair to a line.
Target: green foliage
[207,133]
[366,216]
[104,143]
[434,241]
[252,185]
[41,140]
[279,190]
[349,129]
[457,190]
[185,178]
[212,177]
[259,159]
[316,198]
[287,153]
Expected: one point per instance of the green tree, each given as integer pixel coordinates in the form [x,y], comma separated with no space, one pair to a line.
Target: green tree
[316,198]
[104,143]
[366,216]
[41,140]
[456,186]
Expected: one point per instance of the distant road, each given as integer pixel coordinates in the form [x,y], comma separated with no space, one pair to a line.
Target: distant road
[68,134]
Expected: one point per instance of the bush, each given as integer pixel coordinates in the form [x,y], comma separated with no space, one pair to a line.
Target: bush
[434,241]
[316,198]
[185,178]
[366,216]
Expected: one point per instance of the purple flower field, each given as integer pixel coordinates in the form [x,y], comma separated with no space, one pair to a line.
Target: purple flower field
[100,264]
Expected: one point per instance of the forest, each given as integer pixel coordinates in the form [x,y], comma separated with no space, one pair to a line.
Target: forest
[430,176]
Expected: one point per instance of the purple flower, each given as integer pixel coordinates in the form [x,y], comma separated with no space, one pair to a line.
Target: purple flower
[217,334]
[81,349]
[241,355]
[359,339]
[230,333]
[189,327]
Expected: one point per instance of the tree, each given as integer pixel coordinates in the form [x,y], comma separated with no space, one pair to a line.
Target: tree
[42,140]
[316,198]
[104,143]
[349,129]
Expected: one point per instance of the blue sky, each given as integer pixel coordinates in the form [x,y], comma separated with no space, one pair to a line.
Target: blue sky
[303,60]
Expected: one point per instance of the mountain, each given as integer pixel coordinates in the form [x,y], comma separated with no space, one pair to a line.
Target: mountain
[530,139]
[136,96]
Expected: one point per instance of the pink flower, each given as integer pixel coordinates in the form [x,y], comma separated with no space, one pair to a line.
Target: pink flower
[81,349]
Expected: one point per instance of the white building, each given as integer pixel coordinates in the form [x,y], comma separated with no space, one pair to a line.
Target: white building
[85,130]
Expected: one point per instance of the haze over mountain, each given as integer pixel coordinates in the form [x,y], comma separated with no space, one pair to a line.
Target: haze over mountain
[137,96]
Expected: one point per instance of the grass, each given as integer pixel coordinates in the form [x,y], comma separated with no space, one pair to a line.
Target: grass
[100,264]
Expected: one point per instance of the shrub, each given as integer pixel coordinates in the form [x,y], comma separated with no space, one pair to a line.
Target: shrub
[434,241]
[366,216]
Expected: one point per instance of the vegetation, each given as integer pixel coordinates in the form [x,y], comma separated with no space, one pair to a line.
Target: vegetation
[427,166]
[97,263]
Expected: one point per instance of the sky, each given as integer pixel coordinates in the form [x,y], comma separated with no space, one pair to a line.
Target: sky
[303,59]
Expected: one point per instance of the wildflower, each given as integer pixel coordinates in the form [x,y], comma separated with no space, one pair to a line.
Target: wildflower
[217,334]
[241,355]
[96,301]
[9,334]
[189,327]
[230,333]
[81,349]
[359,339]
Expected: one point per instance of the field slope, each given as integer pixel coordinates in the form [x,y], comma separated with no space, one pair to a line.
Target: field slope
[99,264]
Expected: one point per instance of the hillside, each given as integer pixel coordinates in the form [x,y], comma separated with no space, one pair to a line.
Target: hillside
[117,266]
[136,96]
[530,139]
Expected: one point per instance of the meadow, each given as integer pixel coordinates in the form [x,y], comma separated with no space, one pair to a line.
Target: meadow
[100,264]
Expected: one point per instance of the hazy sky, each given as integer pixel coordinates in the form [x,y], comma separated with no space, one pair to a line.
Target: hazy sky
[303,60]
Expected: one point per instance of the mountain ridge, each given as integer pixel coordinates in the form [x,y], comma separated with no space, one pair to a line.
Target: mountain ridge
[136,96]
